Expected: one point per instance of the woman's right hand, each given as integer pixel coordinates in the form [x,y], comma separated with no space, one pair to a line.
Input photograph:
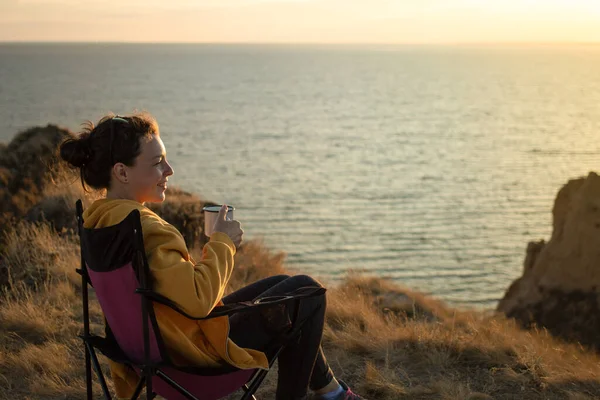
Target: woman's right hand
[231,228]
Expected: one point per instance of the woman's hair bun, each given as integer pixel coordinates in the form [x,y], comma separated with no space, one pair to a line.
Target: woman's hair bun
[76,152]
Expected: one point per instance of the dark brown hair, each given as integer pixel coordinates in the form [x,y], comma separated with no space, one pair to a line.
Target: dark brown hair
[114,139]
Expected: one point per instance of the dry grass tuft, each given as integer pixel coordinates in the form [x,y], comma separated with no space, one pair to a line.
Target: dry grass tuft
[49,370]
[384,382]
[33,253]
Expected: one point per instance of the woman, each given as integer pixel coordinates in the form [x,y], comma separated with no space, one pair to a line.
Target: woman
[126,156]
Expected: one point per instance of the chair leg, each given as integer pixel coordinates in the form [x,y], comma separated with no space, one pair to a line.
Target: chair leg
[148,375]
[252,397]
[250,390]
[248,396]
[258,378]
[88,375]
[138,389]
[246,389]
[99,373]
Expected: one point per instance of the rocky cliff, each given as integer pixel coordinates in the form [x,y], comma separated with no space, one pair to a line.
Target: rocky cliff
[560,285]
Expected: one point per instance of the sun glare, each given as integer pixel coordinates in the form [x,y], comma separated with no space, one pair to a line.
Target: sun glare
[364,21]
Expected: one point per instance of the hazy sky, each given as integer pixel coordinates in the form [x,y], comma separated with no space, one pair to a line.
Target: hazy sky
[323,21]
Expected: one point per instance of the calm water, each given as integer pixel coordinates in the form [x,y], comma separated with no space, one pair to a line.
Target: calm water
[433,166]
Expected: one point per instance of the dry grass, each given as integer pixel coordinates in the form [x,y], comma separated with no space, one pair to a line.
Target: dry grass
[386,341]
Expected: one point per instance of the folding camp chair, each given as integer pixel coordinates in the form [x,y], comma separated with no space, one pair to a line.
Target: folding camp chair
[113,262]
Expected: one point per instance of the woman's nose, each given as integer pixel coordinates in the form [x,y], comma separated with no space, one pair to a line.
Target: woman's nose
[169,171]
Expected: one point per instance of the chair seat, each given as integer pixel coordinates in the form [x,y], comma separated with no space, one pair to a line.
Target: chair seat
[202,382]
[111,350]
[201,387]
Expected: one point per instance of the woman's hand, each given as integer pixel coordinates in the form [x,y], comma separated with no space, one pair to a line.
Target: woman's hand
[231,228]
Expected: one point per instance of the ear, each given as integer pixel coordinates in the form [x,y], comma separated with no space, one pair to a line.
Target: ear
[120,173]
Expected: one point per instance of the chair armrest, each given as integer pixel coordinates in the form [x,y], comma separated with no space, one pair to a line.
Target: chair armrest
[87,277]
[230,309]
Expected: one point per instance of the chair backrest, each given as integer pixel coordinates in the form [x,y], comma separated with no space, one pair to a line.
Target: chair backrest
[115,262]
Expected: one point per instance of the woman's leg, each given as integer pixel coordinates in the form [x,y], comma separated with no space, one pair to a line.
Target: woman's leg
[253,290]
[300,363]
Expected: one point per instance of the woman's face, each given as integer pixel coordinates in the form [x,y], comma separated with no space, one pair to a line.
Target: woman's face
[147,178]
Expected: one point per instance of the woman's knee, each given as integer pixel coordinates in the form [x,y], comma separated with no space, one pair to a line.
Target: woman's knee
[308,281]
[279,278]
[305,280]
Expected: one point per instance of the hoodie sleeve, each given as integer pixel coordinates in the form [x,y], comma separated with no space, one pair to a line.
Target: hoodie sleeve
[195,287]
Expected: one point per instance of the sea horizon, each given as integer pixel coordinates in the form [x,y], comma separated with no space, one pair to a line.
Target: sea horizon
[300,43]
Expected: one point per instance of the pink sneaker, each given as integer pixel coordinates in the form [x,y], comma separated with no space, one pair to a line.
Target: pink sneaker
[347,394]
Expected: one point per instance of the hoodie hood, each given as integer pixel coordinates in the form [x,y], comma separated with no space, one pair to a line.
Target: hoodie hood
[108,212]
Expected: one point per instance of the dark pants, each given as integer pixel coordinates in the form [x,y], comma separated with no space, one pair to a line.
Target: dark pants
[301,362]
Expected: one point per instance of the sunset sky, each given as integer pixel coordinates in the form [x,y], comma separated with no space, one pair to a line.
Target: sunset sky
[301,21]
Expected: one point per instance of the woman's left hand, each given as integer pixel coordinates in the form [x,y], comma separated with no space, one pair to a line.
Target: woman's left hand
[231,228]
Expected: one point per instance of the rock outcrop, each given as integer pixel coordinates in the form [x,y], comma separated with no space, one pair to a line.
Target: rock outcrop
[27,164]
[560,286]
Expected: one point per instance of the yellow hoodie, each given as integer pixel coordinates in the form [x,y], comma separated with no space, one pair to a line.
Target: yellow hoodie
[196,288]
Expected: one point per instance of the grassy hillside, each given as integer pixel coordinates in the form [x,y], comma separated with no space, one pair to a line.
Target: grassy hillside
[387,342]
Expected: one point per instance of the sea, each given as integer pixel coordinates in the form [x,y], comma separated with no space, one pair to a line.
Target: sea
[429,166]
